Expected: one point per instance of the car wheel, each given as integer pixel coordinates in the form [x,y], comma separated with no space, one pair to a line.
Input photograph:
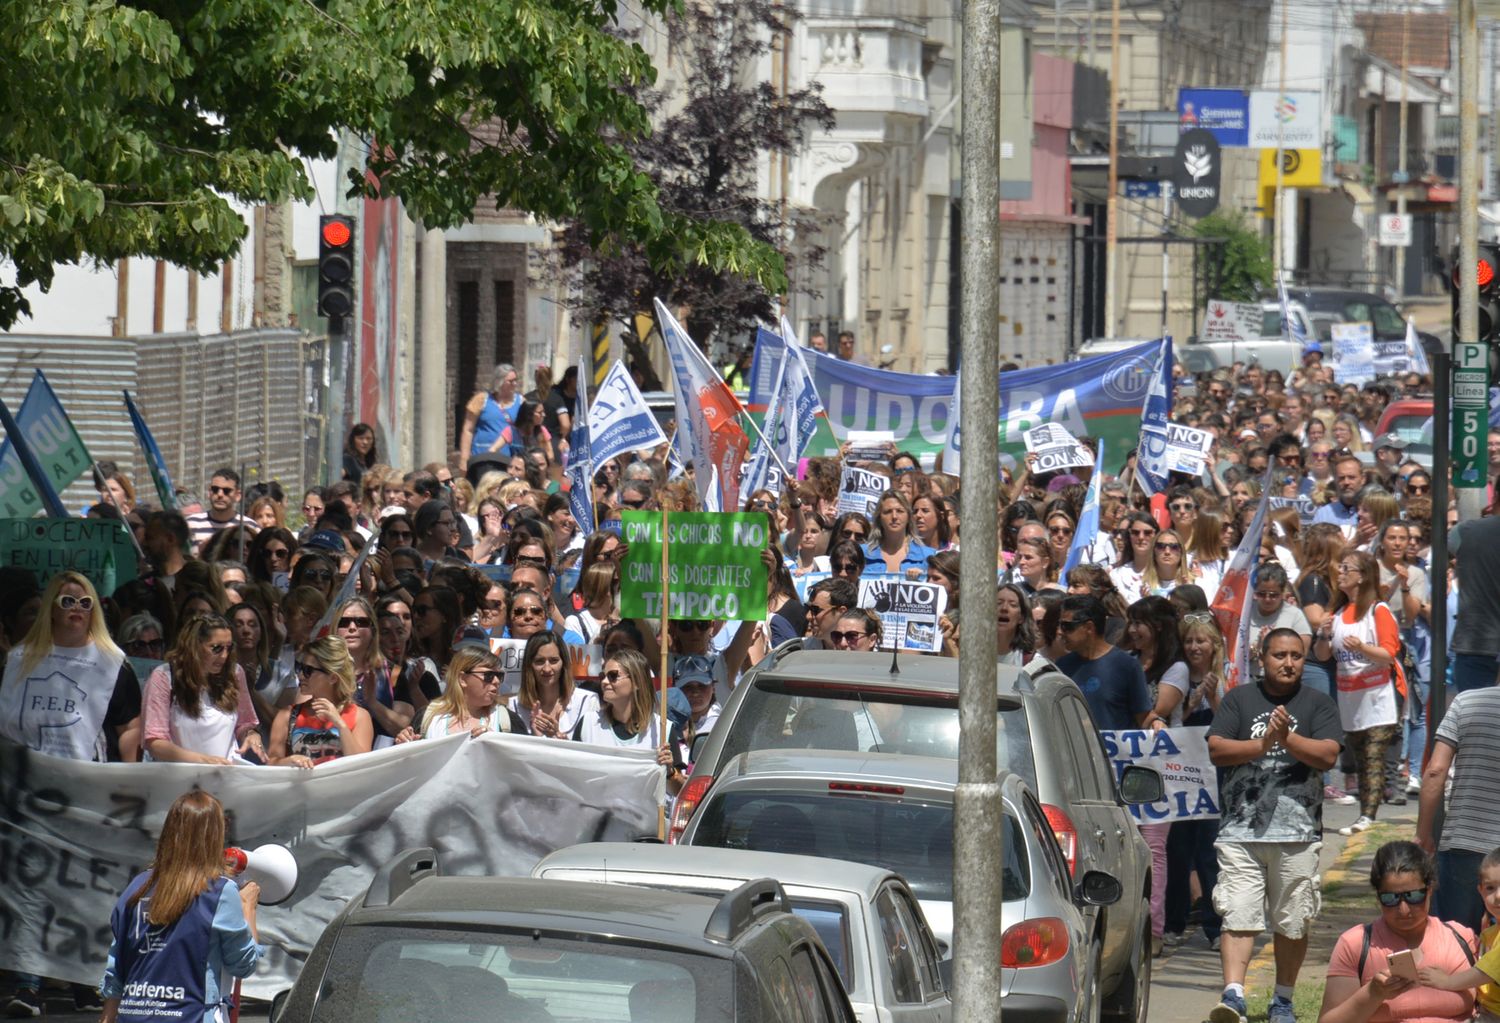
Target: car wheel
[1132,996]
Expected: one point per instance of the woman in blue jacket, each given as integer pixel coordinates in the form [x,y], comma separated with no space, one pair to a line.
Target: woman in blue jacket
[181,926]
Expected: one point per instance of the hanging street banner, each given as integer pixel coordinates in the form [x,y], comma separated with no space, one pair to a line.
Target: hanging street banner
[1180,755]
[909,611]
[1100,396]
[97,548]
[1286,120]
[58,449]
[1195,172]
[713,565]
[1223,113]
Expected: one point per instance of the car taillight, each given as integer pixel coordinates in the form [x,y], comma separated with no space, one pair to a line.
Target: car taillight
[1034,943]
[687,801]
[864,789]
[1067,835]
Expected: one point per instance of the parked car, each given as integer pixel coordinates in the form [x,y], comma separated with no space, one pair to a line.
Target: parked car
[417,946]
[1318,309]
[1268,353]
[892,967]
[896,811]
[800,699]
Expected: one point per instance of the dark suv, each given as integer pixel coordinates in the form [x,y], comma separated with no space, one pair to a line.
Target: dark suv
[799,699]
[418,946]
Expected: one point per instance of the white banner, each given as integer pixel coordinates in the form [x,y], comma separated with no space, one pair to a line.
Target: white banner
[73,834]
[1055,448]
[909,611]
[1231,321]
[860,490]
[1188,775]
[620,421]
[1353,352]
[1286,120]
[1187,448]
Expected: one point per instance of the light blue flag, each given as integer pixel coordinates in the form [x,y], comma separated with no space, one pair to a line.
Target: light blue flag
[581,458]
[1151,455]
[620,421]
[1088,522]
[758,469]
[1290,329]
[155,461]
[51,502]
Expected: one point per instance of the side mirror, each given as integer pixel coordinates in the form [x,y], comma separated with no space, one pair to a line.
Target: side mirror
[1140,785]
[1097,888]
[945,970]
[278,1004]
[696,747]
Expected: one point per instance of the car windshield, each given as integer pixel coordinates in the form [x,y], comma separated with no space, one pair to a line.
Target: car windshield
[385,974]
[782,714]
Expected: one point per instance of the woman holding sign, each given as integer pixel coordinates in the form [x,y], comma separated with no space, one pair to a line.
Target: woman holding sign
[894,550]
[627,717]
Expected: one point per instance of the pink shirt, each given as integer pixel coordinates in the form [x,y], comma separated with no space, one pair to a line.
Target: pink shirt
[1440,948]
[158,713]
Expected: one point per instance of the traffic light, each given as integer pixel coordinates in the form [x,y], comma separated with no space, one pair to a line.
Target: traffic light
[335,266]
[1488,273]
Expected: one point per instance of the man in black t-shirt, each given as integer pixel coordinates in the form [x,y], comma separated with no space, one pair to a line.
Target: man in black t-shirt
[1272,740]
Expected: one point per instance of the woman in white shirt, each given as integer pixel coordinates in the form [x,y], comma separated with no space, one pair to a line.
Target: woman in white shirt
[597,587]
[627,717]
[549,703]
[470,701]
[197,707]
[1129,575]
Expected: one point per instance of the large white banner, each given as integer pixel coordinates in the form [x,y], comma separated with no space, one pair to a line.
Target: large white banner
[1190,780]
[73,834]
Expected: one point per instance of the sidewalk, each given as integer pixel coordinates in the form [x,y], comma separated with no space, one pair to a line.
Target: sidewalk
[1187,982]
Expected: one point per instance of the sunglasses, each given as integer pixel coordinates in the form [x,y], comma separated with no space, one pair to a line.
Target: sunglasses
[68,602]
[485,678]
[847,566]
[146,644]
[307,670]
[217,648]
[1068,625]
[312,509]
[1415,897]
[1204,617]
[278,552]
[694,626]
[424,609]
[1418,488]
[354,622]
[852,534]
[526,612]
[1060,530]
[763,504]
[1183,506]
[492,605]
[321,575]
[615,676]
[634,504]
[1144,534]
[220,490]
[846,637]
[1169,546]
[818,609]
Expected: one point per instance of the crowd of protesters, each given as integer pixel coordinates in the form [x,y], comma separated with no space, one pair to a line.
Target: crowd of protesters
[227,649]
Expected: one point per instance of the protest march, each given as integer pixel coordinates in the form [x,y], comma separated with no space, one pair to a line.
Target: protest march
[551,619]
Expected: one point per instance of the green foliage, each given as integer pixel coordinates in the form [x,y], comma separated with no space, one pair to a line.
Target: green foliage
[129,128]
[1245,268]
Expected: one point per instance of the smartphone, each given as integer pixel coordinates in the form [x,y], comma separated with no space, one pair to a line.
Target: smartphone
[1405,962]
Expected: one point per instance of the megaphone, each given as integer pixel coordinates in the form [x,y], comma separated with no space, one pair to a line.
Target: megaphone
[271,866]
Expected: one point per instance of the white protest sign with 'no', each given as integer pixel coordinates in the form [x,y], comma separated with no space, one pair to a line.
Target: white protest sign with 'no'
[1055,448]
[909,611]
[1186,448]
[860,490]
[1190,780]
[1353,352]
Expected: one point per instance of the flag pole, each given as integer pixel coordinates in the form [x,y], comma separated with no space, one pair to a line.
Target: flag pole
[241,523]
[661,686]
[770,448]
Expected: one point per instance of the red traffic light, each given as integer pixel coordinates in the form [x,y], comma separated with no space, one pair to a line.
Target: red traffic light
[336,233]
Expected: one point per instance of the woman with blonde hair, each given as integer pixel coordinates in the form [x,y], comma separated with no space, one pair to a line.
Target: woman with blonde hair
[549,703]
[1376,508]
[627,704]
[267,513]
[1346,433]
[358,626]
[329,724]
[197,705]
[471,699]
[1207,551]
[182,913]
[1168,568]
[598,586]
[68,649]
[372,487]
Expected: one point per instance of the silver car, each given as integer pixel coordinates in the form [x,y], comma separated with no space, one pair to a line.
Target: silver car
[867,917]
[896,811]
[799,699]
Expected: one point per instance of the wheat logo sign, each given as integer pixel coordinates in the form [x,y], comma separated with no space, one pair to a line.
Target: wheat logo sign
[1195,172]
[1198,163]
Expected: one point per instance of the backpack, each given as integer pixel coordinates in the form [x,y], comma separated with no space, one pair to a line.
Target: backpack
[1364,951]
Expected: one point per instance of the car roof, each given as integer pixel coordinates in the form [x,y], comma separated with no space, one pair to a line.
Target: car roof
[670,917]
[876,768]
[872,671]
[709,861]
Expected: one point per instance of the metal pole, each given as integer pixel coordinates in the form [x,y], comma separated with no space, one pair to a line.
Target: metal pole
[1279,206]
[977,806]
[434,418]
[1112,212]
[1166,252]
[1401,149]
[1470,499]
[1442,376]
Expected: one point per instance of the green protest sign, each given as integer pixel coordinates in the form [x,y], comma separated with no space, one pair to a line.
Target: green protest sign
[97,548]
[713,565]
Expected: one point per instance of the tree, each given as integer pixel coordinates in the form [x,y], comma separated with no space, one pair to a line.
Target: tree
[1244,267]
[129,126]
[703,159]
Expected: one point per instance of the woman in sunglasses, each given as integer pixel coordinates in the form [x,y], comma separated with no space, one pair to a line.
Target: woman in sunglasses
[1129,574]
[269,556]
[328,724]
[435,617]
[627,716]
[414,679]
[1362,982]
[356,624]
[68,648]
[846,560]
[1168,567]
[851,526]
[316,570]
[197,705]
[470,701]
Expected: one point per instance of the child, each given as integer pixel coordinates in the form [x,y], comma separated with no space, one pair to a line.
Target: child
[1485,973]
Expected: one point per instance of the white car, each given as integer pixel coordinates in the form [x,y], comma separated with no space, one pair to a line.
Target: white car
[891,965]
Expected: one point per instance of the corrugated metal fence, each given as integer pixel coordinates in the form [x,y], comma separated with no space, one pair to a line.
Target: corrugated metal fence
[253,398]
